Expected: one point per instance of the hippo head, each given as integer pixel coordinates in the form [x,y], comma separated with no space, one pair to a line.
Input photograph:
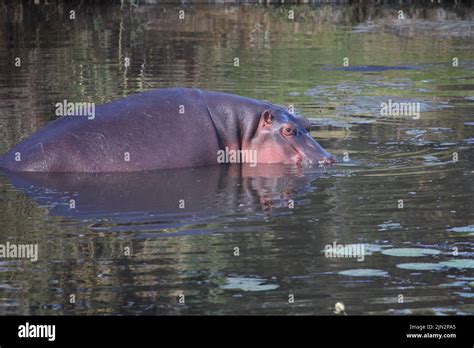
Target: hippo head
[284,138]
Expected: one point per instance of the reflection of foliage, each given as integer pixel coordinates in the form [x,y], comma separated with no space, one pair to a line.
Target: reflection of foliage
[83,59]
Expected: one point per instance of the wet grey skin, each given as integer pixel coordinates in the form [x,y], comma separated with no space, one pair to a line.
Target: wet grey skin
[163,129]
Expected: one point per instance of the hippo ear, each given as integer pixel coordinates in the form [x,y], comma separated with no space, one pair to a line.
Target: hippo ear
[267,117]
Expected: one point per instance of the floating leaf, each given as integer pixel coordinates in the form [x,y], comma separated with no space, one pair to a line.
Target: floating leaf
[452,285]
[466,229]
[420,266]
[248,284]
[364,272]
[465,294]
[389,226]
[431,158]
[410,252]
[373,248]
[461,263]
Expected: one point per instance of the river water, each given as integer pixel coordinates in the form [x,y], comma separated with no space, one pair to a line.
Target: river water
[248,240]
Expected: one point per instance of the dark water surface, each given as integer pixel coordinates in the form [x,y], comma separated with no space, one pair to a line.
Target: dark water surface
[191,251]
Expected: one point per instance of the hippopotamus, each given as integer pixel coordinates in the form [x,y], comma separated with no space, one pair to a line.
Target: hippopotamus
[168,128]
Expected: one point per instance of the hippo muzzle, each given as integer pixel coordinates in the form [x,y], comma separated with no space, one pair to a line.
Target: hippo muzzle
[313,153]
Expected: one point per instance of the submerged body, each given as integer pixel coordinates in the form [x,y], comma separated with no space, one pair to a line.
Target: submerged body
[167,128]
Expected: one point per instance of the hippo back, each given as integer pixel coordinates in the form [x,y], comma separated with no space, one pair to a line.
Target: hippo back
[163,128]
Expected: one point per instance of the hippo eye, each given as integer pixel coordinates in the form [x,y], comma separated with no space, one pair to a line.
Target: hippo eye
[288,131]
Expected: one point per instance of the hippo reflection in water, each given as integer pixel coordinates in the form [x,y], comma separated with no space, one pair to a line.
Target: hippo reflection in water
[175,194]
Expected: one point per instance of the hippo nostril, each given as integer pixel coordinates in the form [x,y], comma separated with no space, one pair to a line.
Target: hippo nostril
[328,160]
